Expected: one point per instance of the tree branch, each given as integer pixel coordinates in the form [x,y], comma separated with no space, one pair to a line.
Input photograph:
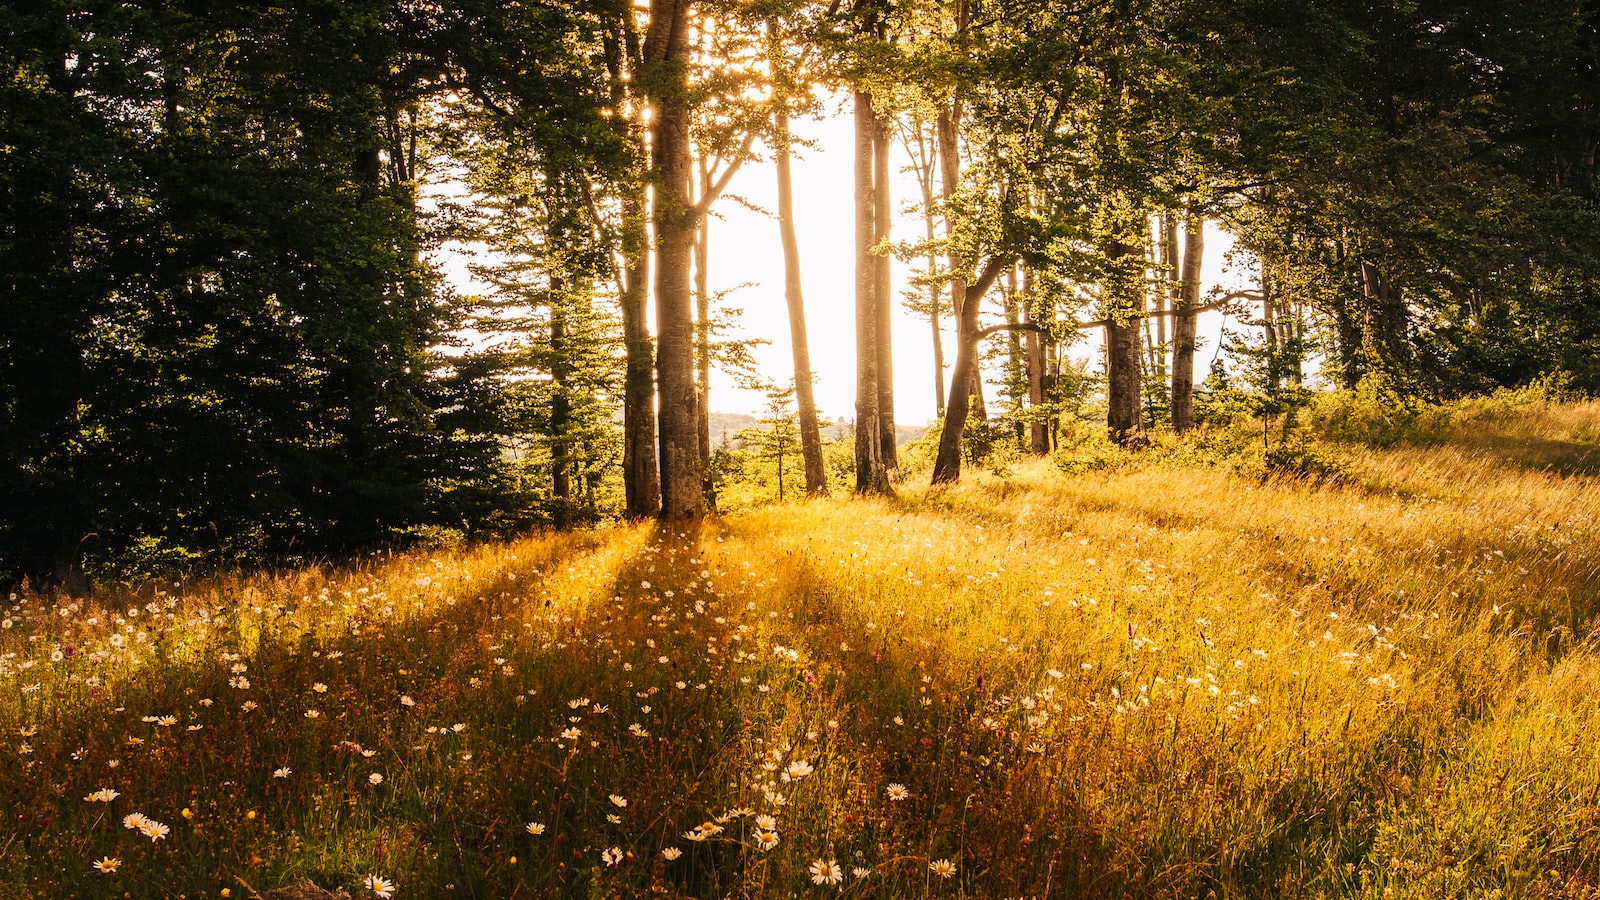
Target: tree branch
[1216,304]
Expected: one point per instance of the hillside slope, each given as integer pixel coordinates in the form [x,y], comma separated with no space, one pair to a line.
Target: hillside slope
[1152,680]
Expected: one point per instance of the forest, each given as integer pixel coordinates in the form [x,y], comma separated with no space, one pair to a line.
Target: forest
[329,572]
[227,341]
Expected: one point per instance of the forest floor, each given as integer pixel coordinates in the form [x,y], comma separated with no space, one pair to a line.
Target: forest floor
[1143,677]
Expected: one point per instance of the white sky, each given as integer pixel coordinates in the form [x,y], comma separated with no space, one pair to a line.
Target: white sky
[744,247]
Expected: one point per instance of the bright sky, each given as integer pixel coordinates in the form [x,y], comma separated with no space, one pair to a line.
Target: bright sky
[744,248]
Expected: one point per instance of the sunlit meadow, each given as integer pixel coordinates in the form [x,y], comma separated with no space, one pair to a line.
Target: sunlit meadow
[1145,679]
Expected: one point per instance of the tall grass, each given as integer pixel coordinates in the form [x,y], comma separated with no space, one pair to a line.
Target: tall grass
[1150,679]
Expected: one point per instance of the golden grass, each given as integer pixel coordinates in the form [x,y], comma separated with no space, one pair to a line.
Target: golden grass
[1154,680]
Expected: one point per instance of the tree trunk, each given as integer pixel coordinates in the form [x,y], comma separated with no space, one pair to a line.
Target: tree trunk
[666,75]
[1016,365]
[641,482]
[702,346]
[1038,429]
[883,294]
[560,408]
[1124,419]
[871,476]
[947,466]
[1166,241]
[1184,320]
[805,399]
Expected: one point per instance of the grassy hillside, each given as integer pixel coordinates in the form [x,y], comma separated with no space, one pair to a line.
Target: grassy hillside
[1149,679]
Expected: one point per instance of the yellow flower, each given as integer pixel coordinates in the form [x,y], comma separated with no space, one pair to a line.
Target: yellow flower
[107,864]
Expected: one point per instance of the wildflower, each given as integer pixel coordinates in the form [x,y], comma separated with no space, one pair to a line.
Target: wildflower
[104,795]
[283,772]
[766,840]
[153,830]
[613,818]
[312,714]
[611,857]
[859,872]
[571,734]
[134,820]
[320,688]
[536,828]
[943,868]
[671,853]
[825,872]
[374,779]
[249,705]
[766,823]
[107,864]
[380,886]
[798,770]
[618,800]
[405,700]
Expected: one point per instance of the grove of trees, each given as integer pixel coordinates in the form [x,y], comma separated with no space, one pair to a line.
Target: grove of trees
[223,340]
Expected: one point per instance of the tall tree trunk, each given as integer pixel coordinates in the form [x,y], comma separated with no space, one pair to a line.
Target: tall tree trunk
[1184,320]
[666,77]
[805,399]
[947,465]
[641,483]
[560,408]
[871,476]
[883,294]
[1166,241]
[702,345]
[1124,419]
[948,125]
[1038,429]
[1016,365]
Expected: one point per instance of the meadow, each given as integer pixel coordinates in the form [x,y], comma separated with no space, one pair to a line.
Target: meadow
[1108,675]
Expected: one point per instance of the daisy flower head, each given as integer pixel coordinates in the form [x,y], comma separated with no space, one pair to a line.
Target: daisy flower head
[766,840]
[375,779]
[825,872]
[153,830]
[380,886]
[943,868]
[798,770]
[611,857]
[283,772]
[618,800]
[897,792]
[134,820]
[766,823]
[671,853]
[106,865]
[104,795]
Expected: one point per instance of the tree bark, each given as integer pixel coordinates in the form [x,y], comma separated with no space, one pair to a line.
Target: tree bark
[883,294]
[1038,428]
[641,482]
[702,345]
[1016,364]
[805,399]
[1124,419]
[560,408]
[1185,319]
[871,476]
[947,465]
[666,81]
